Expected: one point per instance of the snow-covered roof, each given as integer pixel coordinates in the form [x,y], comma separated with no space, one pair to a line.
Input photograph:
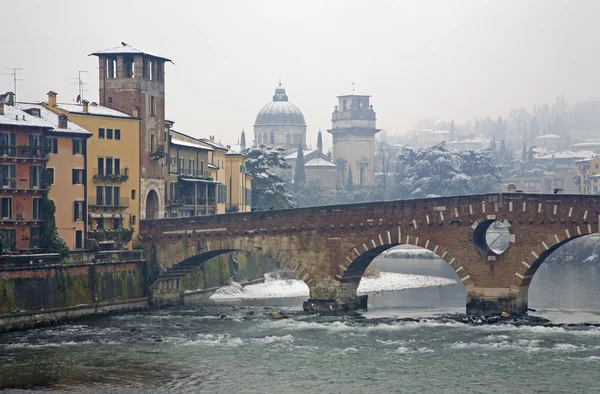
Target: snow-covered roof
[587,144]
[439,132]
[127,49]
[476,139]
[319,162]
[548,136]
[213,143]
[189,144]
[354,93]
[234,152]
[16,117]
[294,154]
[568,155]
[214,167]
[52,119]
[97,110]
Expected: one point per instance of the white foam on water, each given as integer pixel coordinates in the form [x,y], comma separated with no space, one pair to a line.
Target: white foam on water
[289,288]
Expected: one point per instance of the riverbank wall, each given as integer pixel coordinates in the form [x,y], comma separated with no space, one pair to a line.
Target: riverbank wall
[46,289]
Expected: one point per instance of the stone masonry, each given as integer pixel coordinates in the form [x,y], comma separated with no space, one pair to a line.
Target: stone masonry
[331,247]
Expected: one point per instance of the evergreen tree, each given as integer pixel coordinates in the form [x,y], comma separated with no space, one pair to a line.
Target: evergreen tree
[300,174]
[452,131]
[349,184]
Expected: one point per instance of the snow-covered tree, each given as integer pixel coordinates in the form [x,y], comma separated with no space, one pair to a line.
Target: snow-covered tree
[299,174]
[435,171]
[268,190]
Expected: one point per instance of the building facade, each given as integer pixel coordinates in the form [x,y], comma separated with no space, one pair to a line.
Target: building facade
[113,170]
[588,176]
[133,81]
[66,169]
[353,129]
[239,183]
[23,160]
[280,124]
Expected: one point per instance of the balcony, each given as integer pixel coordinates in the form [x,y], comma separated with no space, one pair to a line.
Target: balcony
[118,175]
[117,235]
[23,152]
[158,153]
[10,184]
[192,173]
[100,202]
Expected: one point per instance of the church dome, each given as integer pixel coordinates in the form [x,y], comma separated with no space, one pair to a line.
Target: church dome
[280,112]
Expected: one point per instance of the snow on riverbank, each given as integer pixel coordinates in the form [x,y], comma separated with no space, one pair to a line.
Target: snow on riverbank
[278,288]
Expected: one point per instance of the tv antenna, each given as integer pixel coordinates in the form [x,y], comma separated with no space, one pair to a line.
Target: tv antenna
[80,85]
[15,79]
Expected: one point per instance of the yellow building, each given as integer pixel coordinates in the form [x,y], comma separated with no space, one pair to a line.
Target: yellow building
[113,176]
[216,168]
[239,183]
[588,176]
[66,168]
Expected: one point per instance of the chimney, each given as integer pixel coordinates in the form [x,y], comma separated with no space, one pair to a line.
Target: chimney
[52,99]
[212,138]
[135,111]
[9,98]
[1,107]
[86,107]
[62,121]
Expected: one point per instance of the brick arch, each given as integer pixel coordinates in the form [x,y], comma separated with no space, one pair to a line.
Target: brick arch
[194,251]
[360,256]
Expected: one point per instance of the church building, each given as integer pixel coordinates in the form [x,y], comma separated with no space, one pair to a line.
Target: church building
[280,124]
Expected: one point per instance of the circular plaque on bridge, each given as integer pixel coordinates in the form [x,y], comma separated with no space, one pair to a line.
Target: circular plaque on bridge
[497,237]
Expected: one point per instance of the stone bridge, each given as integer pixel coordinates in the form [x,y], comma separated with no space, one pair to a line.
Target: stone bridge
[330,247]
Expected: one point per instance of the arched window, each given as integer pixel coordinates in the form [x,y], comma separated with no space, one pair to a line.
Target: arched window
[288,139]
[345,105]
[272,137]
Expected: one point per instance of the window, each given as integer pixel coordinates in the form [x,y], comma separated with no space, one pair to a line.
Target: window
[77,176]
[133,194]
[37,209]
[99,195]
[8,175]
[50,172]
[8,143]
[35,173]
[132,221]
[78,211]
[10,239]
[109,166]
[100,133]
[150,73]
[201,167]
[192,166]
[152,143]
[181,165]
[117,195]
[78,146]
[110,100]
[101,166]
[79,239]
[222,190]
[6,208]
[34,239]
[109,134]
[152,106]
[117,134]
[117,166]
[53,145]
[108,195]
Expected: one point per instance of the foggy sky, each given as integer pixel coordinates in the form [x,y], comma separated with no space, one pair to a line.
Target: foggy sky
[447,59]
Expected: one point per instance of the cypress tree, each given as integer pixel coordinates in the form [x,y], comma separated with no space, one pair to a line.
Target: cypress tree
[300,175]
[349,185]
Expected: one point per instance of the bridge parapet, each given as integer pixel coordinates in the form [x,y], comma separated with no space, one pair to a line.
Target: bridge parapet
[331,247]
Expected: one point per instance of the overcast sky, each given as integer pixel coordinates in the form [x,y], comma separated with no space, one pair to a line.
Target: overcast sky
[447,59]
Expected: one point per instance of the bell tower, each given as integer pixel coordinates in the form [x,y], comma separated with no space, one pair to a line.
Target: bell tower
[353,129]
[133,81]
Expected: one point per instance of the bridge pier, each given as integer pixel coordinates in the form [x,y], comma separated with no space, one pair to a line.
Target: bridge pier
[495,301]
[166,293]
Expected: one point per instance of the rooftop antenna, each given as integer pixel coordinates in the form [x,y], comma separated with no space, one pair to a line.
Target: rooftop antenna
[15,79]
[80,85]
[353,86]
[279,82]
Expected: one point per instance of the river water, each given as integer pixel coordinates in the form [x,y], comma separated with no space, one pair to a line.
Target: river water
[408,341]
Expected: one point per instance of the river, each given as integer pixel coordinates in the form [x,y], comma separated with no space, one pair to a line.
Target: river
[408,341]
